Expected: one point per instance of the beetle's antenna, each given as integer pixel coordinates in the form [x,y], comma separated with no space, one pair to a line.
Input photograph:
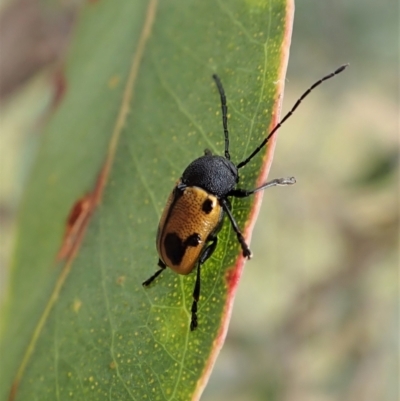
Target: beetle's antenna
[224,109]
[301,98]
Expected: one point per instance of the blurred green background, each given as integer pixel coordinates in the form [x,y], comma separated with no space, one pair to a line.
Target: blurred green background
[316,316]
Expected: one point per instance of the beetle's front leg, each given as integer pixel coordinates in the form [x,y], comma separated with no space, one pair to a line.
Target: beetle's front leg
[245,248]
[244,193]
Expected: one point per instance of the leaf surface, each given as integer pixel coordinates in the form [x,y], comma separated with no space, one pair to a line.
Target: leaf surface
[140,104]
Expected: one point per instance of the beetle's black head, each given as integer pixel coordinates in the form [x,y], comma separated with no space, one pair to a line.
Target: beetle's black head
[215,174]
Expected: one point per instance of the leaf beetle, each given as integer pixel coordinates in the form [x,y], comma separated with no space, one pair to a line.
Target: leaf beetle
[195,210]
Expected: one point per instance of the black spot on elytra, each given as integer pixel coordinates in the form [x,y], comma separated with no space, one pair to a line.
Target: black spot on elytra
[207,206]
[175,248]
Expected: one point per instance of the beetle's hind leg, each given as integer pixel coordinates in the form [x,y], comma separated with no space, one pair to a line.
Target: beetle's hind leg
[162,266]
[208,251]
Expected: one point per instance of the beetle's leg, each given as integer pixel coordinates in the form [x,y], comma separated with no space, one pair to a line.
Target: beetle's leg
[181,187]
[243,193]
[196,292]
[196,296]
[162,266]
[245,249]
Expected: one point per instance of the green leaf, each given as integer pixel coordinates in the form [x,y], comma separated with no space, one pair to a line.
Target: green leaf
[140,105]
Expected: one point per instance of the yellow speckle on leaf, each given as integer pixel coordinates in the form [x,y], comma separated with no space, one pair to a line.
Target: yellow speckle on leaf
[114,81]
[76,305]
[257,3]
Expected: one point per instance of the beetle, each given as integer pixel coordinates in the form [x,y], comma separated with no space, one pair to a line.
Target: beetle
[195,209]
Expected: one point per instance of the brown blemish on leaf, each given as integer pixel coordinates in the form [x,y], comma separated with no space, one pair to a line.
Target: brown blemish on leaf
[13,391]
[121,280]
[60,87]
[75,224]
[79,217]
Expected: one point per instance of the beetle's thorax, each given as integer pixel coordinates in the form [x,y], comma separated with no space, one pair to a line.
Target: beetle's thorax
[215,174]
